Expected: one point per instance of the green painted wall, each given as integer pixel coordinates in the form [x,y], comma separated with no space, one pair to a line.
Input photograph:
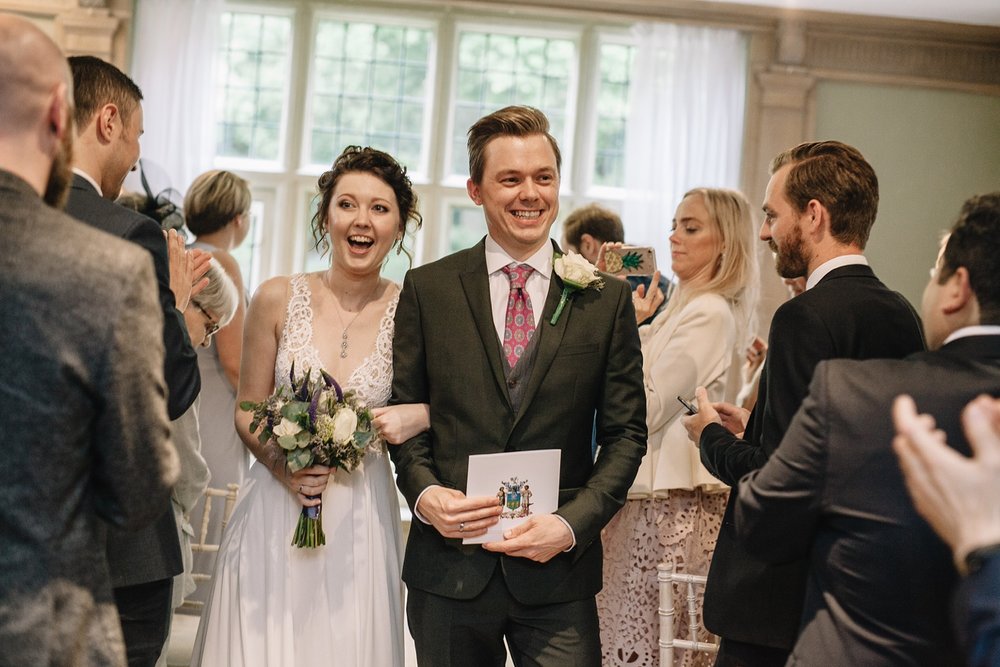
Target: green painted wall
[931,149]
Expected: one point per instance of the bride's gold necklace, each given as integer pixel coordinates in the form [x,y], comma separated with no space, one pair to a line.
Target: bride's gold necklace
[343,335]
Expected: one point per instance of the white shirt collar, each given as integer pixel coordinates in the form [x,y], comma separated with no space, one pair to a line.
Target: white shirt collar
[976,330]
[829,265]
[497,258]
[85,176]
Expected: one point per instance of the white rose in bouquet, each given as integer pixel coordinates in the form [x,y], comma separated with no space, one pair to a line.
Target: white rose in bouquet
[286,427]
[345,423]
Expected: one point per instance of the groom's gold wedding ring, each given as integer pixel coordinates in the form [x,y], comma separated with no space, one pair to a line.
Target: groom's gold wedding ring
[461,527]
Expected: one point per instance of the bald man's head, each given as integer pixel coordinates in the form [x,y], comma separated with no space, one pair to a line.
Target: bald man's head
[31,69]
[36,108]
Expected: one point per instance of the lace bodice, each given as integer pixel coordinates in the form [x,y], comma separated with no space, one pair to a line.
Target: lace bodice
[371,380]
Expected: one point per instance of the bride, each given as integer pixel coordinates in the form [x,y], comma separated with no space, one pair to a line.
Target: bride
[273,604]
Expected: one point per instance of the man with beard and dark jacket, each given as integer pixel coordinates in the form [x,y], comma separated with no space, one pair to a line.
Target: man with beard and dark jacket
[819,208]
[82,395]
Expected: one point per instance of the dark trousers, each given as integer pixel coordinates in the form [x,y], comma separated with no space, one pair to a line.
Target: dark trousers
[144,610]
[740,654]
[458,633]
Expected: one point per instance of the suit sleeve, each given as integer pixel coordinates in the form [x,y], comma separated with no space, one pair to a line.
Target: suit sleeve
[779,505]
[727,457]
[798,340]
[415,469]
[621,431]
[136,461]
[977,615]
[180,365]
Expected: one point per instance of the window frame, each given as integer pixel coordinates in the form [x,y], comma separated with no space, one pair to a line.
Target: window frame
[289,184]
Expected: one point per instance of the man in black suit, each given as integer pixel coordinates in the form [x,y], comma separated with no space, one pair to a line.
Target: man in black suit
[819,208]
[879,579]
[535,587]
[109,122]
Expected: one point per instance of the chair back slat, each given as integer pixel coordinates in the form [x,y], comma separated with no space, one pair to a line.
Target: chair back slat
[203,544]
[666,578]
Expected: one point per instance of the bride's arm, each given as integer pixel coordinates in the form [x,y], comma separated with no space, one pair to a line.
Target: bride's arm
[398,423]
[261,332]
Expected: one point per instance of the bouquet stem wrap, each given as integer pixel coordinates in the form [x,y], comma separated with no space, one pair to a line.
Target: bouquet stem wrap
[309,529]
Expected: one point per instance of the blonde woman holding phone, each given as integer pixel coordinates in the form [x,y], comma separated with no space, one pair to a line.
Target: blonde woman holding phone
[675,506]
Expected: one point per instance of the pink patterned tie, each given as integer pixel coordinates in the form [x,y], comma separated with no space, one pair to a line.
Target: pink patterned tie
[519,322]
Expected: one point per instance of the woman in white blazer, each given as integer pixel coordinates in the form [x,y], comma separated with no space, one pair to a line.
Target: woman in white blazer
[675,506]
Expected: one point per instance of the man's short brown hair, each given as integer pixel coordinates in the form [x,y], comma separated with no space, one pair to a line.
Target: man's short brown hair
[513,121]
[603,224]
[96,83]
[837,176]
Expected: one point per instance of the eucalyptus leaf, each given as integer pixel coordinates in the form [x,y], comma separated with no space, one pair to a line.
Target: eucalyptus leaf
[361,438]
[288,442]
[294,410]
[299,459]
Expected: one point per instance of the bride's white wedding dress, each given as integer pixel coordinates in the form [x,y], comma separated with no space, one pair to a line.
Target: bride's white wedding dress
[275,605]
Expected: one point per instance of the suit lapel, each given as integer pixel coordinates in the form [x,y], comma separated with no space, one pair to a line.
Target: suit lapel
[476,284]
[549,337]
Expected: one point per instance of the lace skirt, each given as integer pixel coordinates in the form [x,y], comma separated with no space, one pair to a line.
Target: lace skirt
[681,531]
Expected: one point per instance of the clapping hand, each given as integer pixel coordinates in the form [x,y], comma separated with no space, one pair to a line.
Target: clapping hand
[187,269]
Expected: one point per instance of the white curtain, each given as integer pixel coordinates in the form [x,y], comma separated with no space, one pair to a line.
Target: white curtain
[685,124]
[173,62]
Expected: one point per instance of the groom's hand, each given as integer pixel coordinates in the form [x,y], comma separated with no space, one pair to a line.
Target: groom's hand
[540,538]
[454,515]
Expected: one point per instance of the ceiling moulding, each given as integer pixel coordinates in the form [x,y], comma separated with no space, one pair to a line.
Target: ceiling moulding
[747,17]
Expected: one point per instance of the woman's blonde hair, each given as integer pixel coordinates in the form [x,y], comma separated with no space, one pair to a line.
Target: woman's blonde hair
[214,199]
[736,275]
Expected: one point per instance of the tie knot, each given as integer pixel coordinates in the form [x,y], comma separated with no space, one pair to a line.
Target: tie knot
[517,274]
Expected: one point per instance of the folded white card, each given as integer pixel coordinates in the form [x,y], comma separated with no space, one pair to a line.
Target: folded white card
[524,483]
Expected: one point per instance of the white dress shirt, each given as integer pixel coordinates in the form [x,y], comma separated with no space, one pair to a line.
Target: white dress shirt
[976,330]
[87,177]
[831,264]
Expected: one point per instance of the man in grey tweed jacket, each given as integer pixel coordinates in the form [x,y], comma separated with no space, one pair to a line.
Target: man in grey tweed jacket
[82,395]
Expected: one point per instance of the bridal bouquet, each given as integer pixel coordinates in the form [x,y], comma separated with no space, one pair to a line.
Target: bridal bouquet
[315,422]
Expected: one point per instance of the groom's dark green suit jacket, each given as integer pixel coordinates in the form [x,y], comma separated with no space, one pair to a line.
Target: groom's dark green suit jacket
[446,353]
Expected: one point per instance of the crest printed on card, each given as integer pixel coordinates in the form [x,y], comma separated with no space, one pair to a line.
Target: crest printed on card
[515,497]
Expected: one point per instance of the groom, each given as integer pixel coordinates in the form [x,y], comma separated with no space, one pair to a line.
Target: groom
[474,340]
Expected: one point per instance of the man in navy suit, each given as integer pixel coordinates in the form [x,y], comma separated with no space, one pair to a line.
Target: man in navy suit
[109,123]
[819,208]
[879,579]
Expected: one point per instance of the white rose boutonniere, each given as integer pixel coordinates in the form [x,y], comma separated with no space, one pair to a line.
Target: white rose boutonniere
[576,274]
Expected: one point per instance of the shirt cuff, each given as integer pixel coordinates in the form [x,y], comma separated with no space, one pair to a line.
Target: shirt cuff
[415,512]
[571,533]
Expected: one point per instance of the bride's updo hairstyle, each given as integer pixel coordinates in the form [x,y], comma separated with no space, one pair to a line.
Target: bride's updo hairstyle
[384,167]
